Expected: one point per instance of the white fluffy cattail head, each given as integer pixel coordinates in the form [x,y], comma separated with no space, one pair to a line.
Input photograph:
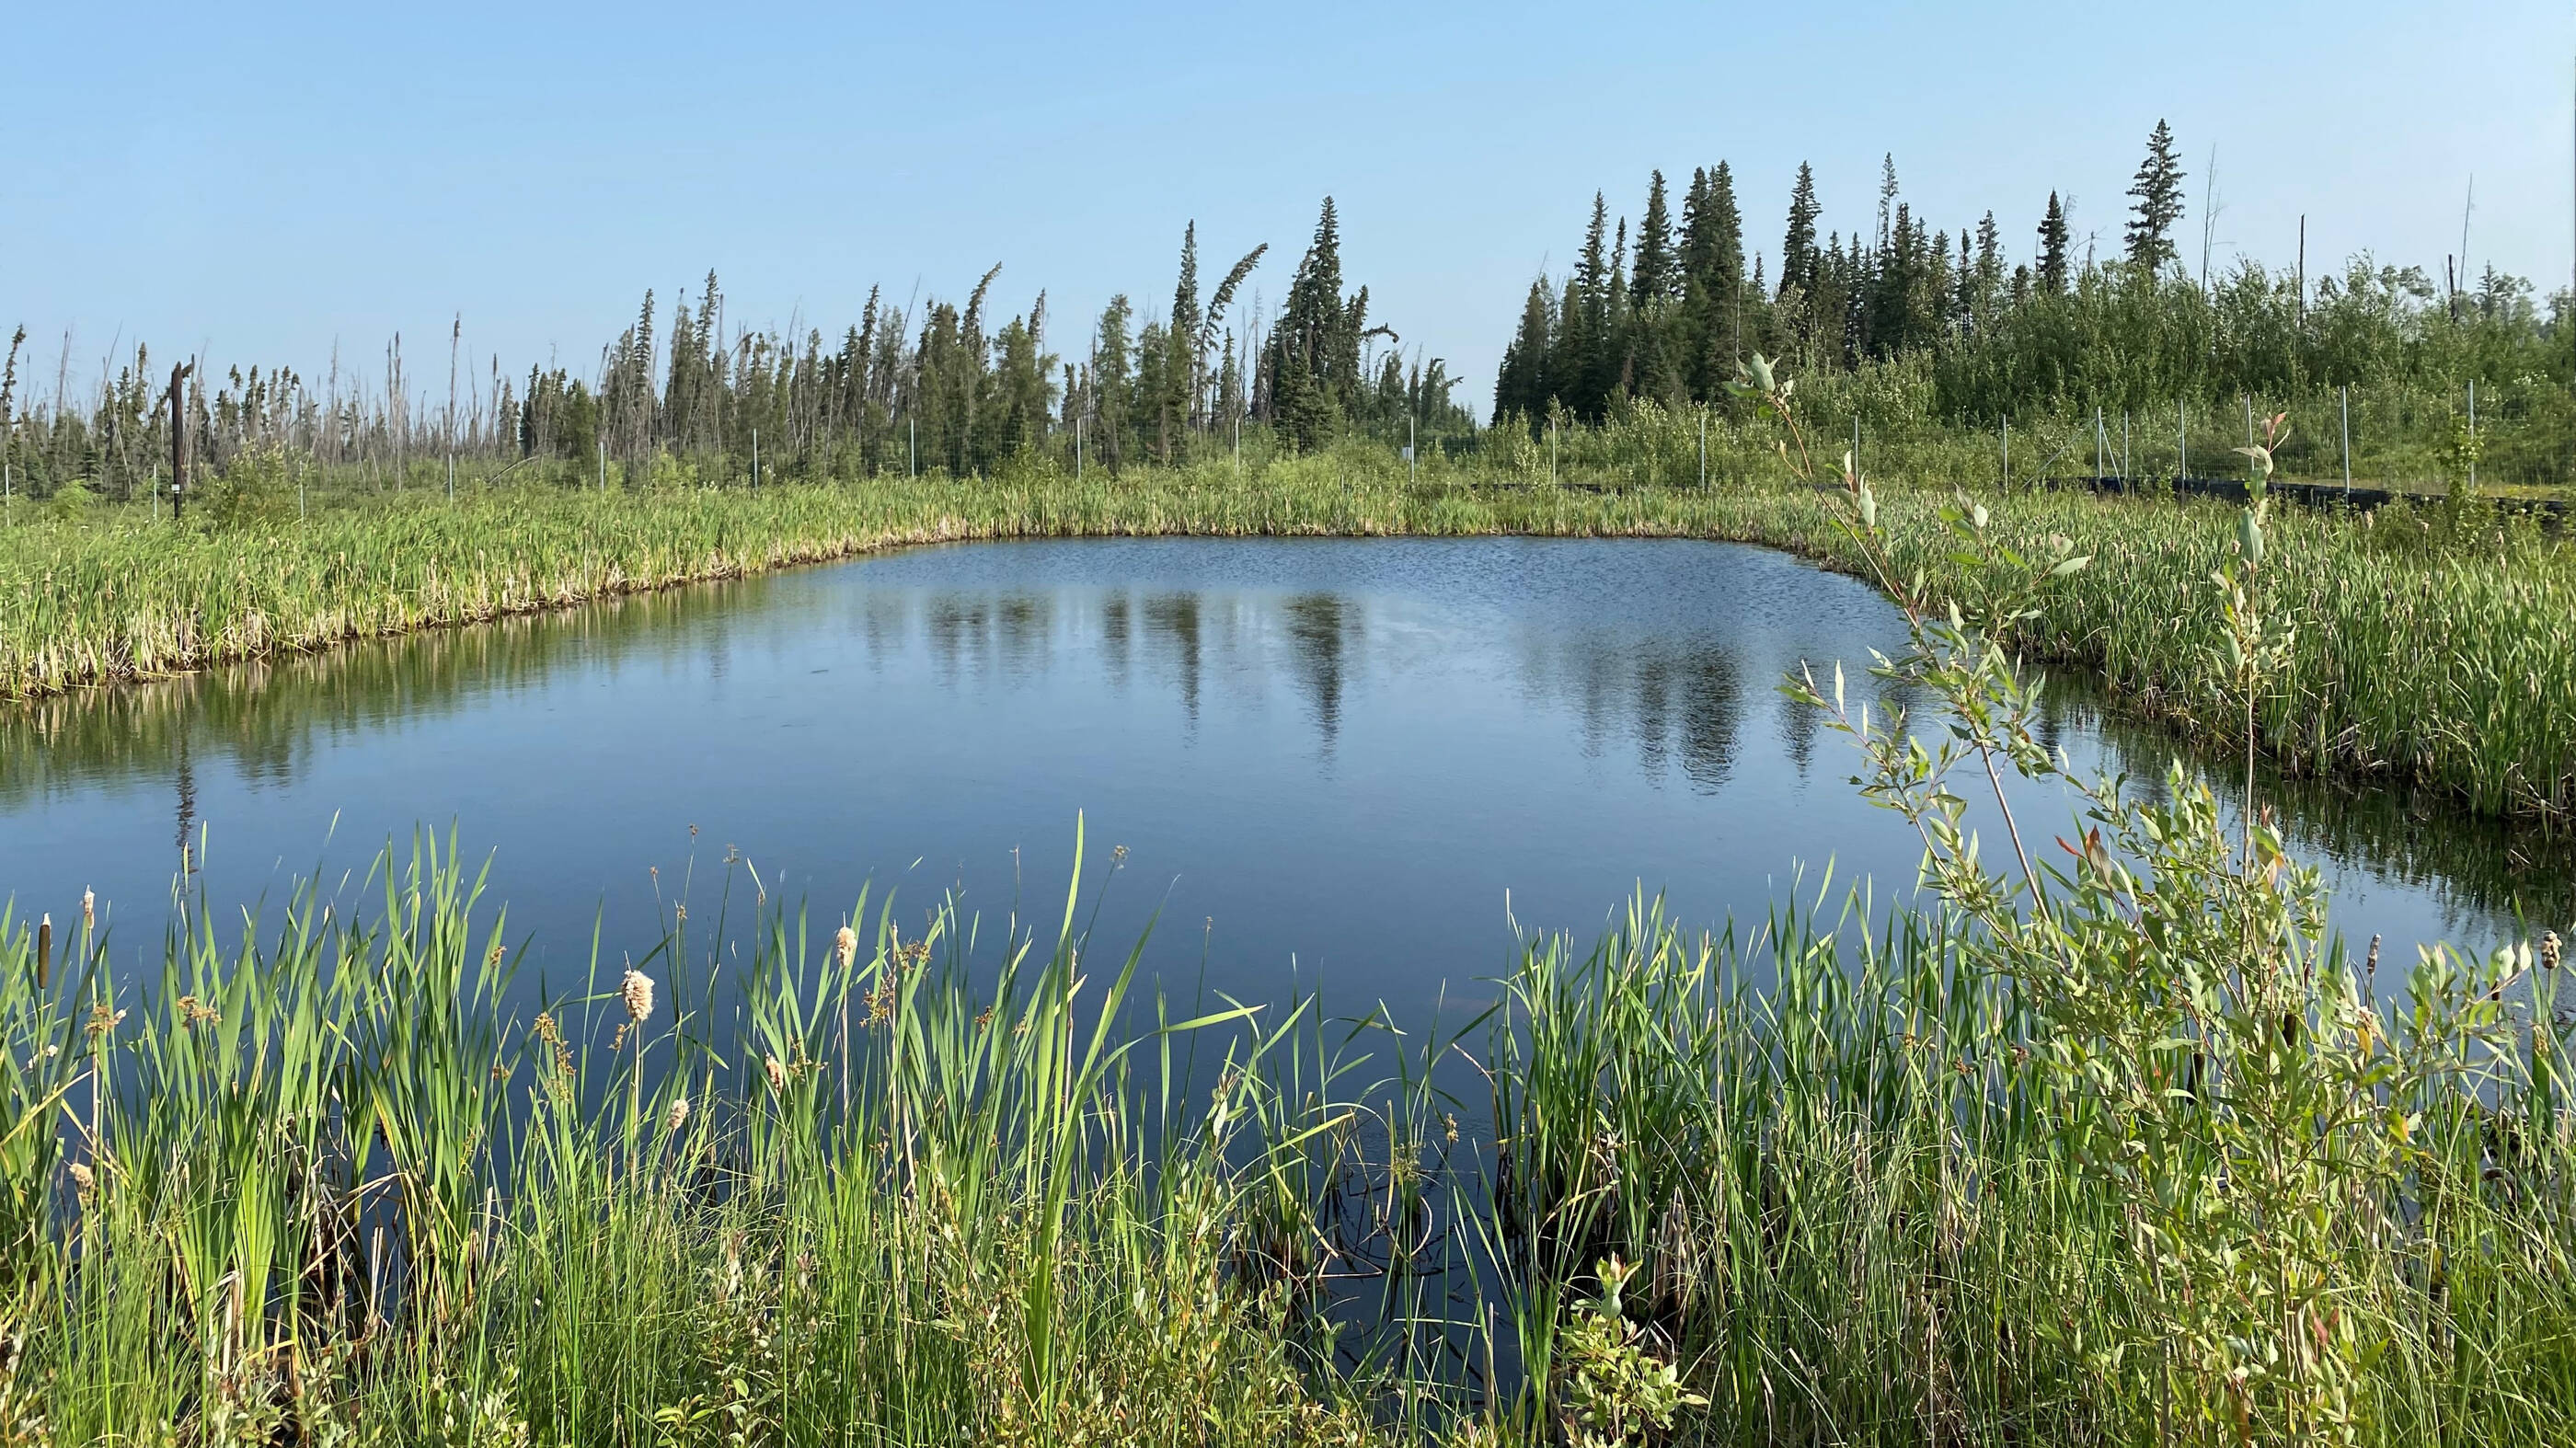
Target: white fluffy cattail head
[678,1115]
[637,989]
[845,946]
[89,909]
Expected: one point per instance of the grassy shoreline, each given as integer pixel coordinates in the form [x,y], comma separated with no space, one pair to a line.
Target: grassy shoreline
[326,1185]
[2434,650]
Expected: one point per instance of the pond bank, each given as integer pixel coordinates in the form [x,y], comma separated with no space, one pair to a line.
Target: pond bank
[2444,662]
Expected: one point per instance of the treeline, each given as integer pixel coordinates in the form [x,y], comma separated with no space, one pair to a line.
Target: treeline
[942,387]
[1665,310]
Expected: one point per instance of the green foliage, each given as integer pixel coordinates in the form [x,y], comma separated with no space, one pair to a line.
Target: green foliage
[71,501]
[1612,1390]
[255,490]
[2061,337]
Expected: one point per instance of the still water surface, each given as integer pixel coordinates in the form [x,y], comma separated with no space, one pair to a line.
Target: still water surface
[1357,764]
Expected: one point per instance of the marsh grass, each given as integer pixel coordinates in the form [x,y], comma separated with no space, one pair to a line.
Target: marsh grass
[320,1182]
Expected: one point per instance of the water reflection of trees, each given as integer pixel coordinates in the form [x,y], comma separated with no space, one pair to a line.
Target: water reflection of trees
[262,720]
[1172,623]
[1321,629]
[1667,702]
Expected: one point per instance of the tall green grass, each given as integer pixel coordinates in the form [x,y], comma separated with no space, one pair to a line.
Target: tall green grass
[319,1183]
[322,1181]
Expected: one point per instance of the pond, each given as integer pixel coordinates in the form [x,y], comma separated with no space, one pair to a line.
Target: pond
[1353,764]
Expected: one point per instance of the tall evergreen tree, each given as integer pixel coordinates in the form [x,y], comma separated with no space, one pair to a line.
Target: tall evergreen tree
[1592,271]
[1618,374]
[1990,268]
[1522,385]
[1585,350]
[1229,386]
[1798,249]
[1712,264]
[1886,196]
[1181,371]
[1110,371]
[2158,189]
[1314,351]
[1656,279]
[2055,243]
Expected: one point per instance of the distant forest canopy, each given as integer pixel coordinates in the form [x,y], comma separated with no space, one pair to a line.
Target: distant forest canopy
[1664,311]
[1912,329]
[938,388]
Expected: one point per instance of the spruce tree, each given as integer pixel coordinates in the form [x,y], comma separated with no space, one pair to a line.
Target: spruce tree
[1347,385]
[1587,352]
[1712,264]
[1618,374]
[1990,266]
[1109,380]
[1656,327]
[1229,385]
[1656,279]
[1521,386]
[1967,302]
[2158,189]
[1315,346]
[1592,272]
[1690,247]
[1725,266]
[1569,356]
[2054,245]
[1798,248]
[1181,379]
[1886,196]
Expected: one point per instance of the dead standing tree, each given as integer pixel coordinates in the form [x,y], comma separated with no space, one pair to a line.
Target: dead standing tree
[178,436]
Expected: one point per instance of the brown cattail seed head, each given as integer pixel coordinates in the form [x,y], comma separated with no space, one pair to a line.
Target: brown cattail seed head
[777,1074]
[845,946]
[638,992]
[679,1114]
[89,909]
[2549,950]
[44,951]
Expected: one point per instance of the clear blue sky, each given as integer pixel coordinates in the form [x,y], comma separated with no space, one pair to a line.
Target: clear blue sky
[260,183]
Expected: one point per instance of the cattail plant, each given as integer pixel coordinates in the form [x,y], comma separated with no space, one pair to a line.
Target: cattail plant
[636,990]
